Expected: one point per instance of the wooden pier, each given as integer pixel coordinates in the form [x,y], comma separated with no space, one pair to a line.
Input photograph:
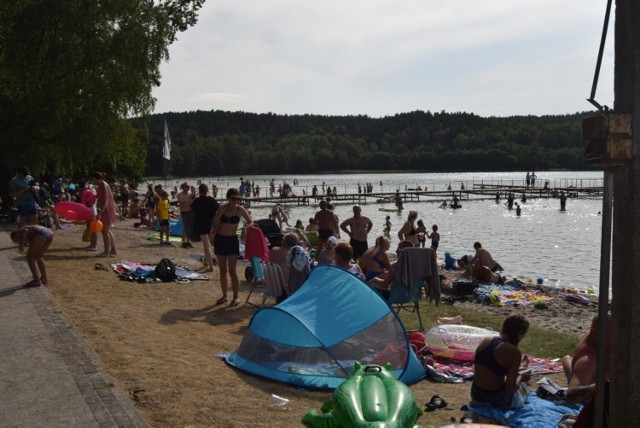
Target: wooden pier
[474,191]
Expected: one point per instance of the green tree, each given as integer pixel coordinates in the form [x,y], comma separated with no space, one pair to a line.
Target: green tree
[72,71]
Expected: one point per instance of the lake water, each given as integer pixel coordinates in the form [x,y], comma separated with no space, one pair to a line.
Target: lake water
[560,247]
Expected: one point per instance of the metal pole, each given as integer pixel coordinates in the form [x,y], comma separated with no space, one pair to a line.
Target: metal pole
[603,298]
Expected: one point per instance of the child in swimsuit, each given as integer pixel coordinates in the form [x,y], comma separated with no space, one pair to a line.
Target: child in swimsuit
[421,230]
[39,239]
[387,226]
[435,237]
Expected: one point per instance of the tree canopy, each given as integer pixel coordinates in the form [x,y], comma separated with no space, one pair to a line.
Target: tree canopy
[73,71]
[209,143]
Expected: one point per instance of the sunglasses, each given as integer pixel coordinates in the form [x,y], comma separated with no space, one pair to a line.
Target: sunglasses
[236,198]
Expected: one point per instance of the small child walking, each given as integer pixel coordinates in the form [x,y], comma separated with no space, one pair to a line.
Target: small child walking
[435,237]
[39,239]
[163,216]
[421,231]
[387,226]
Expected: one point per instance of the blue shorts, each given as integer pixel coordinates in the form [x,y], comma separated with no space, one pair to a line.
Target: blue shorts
[27,210]
[224,245]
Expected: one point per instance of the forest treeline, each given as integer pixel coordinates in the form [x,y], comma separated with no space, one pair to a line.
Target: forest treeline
[206,143]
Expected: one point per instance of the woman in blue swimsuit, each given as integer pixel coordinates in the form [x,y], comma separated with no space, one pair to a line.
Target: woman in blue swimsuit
[226,244]
[377,264]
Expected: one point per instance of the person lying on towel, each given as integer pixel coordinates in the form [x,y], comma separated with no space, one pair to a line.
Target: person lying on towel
[499,366]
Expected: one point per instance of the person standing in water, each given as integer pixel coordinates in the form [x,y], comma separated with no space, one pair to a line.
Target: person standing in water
[435,237]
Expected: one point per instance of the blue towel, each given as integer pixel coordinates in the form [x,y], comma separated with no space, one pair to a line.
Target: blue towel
[536,413]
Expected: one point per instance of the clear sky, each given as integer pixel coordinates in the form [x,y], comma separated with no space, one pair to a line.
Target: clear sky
[379,58]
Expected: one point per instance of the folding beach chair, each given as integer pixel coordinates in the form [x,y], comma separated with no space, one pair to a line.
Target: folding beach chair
[273,281]
[409,300]
[416,268]
[254,274]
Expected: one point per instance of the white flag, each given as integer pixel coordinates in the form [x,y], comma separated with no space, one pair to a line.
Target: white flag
[166,150]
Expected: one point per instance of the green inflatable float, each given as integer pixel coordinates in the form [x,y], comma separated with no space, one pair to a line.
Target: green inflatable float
[370,397]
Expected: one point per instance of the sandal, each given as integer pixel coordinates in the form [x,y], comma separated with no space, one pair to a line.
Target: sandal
[32,283]
[436,402]
[221,300]
[469,418]
[234,303]
[449,300]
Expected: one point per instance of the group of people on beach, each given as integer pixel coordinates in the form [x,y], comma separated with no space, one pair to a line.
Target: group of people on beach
[31,199]
[501,370]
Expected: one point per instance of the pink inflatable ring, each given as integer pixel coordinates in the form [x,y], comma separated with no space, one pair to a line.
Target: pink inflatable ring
[73,211]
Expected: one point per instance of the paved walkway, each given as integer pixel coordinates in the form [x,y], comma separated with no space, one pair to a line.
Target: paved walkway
[49,377]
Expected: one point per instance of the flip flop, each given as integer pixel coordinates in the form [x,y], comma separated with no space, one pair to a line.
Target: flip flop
[436,402]
[98,266]
[221,301]
[234,303]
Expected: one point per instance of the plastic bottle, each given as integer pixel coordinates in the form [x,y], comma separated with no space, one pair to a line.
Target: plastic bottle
[278,403]
[558,289]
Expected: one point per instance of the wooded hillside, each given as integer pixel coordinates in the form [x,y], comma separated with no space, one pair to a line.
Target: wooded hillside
[206,143]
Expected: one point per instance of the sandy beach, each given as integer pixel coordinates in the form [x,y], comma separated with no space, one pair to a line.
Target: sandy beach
[160,341]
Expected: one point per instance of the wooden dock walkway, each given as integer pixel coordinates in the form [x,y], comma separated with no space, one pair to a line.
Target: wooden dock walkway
[476,191]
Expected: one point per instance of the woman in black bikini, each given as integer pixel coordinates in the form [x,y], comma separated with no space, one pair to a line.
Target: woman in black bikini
[408,230]
[226,244]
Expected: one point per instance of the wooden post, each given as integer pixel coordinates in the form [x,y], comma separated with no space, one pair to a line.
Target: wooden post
[625,349]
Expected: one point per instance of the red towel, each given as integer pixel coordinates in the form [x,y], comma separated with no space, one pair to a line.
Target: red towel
[256,244]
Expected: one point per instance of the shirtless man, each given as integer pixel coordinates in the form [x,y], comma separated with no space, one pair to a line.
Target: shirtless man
[485,259]
[327,223]
[357,227]
[185,197]
[582,383]
[582,374]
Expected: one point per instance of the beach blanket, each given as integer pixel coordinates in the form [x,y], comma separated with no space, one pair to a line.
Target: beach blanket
[536,413]
[509,295]
[464,369]
[143,273]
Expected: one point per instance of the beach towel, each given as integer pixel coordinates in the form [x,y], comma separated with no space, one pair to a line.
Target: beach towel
[416,263]
[509,295]
[536,413]
[464,369]
[139,272]
[256,244]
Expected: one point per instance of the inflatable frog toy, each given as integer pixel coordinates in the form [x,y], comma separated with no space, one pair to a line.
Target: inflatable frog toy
[370,397]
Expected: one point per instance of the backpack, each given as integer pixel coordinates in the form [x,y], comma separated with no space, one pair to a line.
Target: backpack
[165,271]
[549,390]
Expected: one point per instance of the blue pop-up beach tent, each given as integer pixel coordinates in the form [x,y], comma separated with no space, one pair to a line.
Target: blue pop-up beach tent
[314,338]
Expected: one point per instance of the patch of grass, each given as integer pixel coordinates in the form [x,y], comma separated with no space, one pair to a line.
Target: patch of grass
[539,342]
